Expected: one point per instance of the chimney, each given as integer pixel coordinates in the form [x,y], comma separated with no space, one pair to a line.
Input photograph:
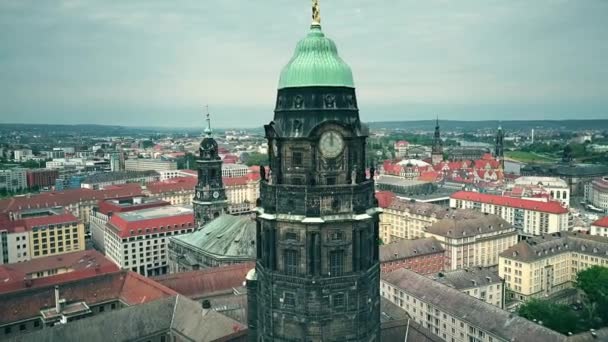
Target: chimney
[57,304]
[206,306]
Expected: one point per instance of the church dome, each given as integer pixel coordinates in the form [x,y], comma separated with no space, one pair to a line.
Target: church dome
[316,63]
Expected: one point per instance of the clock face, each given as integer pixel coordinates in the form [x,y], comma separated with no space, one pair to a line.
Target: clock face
[216,194]
[331,144]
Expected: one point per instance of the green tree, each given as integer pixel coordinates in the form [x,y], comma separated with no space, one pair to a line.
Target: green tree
[594,283]
[255,158]
[554,316]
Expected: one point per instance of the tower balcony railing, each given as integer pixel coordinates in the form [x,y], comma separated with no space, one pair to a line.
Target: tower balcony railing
[317,201]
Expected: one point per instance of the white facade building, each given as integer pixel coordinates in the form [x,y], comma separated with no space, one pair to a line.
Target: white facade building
[13,179]
[234,170]
[558,188]
[531,218]
[138,240]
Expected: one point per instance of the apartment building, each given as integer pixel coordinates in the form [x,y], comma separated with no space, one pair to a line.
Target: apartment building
[234,170]
[472,239]
[456,316]
[137,240]
[79,202]
[424,256]
[13,179]
[106,208]
[404,219]
[479,282]
[529,217]
[596,193]
[544,265]
[141,164]
[40,236]
[600,227]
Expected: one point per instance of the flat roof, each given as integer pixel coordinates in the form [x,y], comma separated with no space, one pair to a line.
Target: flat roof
[156,212]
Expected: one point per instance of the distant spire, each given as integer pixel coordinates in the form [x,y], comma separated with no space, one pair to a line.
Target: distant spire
[499,125]
[437,121]
[316,13]
[208,130]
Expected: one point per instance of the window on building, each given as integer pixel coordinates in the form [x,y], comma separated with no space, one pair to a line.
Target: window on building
[291,262]
[339,300]
[297,158]
[289,299]
[336,263]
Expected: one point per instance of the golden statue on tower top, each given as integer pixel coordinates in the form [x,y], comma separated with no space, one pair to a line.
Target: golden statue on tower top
[316,13]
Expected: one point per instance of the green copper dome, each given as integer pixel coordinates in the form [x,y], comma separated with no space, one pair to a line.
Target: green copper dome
[316,63]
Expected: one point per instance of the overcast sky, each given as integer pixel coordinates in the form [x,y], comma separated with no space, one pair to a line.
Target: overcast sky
[144,62]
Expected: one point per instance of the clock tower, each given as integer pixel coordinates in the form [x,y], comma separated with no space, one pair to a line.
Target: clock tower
[209,199]
[317,272]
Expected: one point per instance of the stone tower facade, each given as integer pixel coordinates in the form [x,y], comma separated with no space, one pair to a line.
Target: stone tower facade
[437,148]
[210,199]
[317,271]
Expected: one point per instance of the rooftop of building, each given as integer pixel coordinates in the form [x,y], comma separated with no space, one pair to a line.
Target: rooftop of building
[552,207]
[467,278]
[226,237]
[207,282]
[117,205]
[20,275]
[30,223]
[125,286]
[601,182]
[546,181]
[399,181]
[403,249]
[394,323]
[152,220]
[234,167]
[548,245]
[67,197]
[490,318]
[102,177]
[603,222]
[172,185]
[174,314]
[467,223]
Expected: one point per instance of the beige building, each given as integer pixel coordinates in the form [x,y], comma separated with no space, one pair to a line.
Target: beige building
[530,218]
[403,219]
[480,282]
[141,164]
[455,316]
[600,227]
[596,193]
[544,265]
[472,239]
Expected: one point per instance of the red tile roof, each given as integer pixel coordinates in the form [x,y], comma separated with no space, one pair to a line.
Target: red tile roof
[385,198]
[129,287]
[64,198]
[603,222]
[207,282]
[87,263]
[108,206]
[234,181]
[169,223]
[173,184]
[552,207]
[32,222]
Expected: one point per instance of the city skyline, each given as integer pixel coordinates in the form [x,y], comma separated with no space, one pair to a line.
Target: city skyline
[136,62]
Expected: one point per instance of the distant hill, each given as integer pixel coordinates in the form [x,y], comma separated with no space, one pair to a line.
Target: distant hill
[562,125]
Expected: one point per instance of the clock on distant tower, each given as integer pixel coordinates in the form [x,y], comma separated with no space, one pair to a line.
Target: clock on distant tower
[331,144]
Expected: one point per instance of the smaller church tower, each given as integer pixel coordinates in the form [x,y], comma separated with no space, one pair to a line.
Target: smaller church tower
[209,196]
[499,152]
[437,149]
